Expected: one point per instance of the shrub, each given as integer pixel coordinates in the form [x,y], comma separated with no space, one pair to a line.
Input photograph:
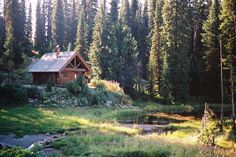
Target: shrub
[210,127]
[112,86]
[34,93]
[16,152]
[48,87]
[12,95]
[77,87]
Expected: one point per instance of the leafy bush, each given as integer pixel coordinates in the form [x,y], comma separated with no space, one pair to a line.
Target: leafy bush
[48,87]
[112,86]
[77,87]
[16,152]
[12,94]
[34,93]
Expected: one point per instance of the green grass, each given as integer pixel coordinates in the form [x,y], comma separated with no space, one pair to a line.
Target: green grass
[32,120]
[95,143]
[98,132]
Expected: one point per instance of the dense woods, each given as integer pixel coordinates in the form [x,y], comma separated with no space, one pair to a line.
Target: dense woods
[168,48]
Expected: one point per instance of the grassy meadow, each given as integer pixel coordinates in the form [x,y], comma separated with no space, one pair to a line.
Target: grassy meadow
[96,131]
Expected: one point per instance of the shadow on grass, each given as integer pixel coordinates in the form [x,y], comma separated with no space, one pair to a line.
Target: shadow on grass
[30,120]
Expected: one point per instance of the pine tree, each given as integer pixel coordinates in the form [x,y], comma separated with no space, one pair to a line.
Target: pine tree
[1,32]
[58,24]
[81,35]
[210,39]
[228,32]
[154,58]
[73,25]
[198,14]
[125,13]
[127,58]
[113,14]
[133,19]
[67,22]
[39,38]
[96,45]
[176,47]
[29,24]
[151,15]
[12,57]
[48,24]
[144,42]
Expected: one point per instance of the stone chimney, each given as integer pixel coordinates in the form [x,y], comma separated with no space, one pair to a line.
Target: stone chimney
[58,50]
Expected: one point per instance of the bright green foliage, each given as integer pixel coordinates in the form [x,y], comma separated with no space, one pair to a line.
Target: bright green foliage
[210,39]
[16,152]
[176,47]
[81,36]
[58,24]
[96,45]
[155,57]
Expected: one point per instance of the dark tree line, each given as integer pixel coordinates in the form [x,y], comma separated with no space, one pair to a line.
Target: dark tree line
[172,44]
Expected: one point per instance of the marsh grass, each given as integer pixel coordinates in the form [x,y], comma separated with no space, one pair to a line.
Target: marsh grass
[95,131]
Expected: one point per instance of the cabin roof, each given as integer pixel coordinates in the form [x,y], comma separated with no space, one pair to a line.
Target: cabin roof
[50,63]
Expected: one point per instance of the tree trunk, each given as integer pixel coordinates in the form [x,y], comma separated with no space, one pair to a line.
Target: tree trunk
[232,95]
[222,89]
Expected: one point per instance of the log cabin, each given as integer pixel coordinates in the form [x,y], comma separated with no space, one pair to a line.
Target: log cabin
[59,68]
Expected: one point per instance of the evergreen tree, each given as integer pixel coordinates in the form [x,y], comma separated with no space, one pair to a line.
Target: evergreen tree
[125,13]
[144,42]
[29,24]
[39,37]
[96,45]
[228,32]
[133,20]
[1,33]
[48,24]
[210,39]
[73,25]
[198,14]
[67,22]
[154,58]
[12,56]
[58,24]
[113,14]
[127,58]
[176,47]
[81,36]
[151,15]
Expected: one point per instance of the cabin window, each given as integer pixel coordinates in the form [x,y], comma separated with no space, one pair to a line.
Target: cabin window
[65,74]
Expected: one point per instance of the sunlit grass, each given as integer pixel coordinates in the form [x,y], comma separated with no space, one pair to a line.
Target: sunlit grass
[30,120]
